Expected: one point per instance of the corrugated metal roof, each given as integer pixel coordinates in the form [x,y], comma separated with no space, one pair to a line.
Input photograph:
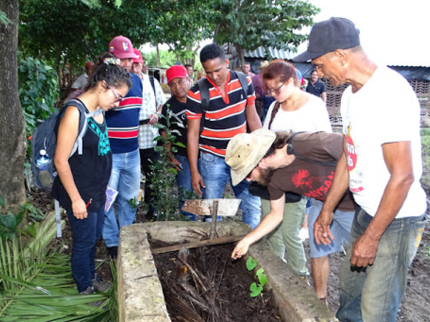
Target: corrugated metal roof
[406,61]
[260,52]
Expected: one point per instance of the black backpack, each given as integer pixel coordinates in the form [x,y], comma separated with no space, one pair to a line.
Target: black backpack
[45,138]
[204,93]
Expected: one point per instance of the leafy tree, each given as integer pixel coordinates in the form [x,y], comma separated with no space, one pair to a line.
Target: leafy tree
[249,24]
[67,31]
[167,58]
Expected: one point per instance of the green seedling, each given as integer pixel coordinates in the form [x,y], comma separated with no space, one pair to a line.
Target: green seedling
[255,288]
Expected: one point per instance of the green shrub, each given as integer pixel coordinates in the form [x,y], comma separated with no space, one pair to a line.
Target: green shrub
[38,90]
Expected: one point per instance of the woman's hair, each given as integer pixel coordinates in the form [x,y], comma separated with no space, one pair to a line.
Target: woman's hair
[281,140]
[280,69]
[200,74]
[108,69]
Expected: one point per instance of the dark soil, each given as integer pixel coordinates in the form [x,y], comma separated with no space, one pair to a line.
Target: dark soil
[204,284]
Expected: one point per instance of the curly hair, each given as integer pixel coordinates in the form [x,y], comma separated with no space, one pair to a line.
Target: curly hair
[114,75]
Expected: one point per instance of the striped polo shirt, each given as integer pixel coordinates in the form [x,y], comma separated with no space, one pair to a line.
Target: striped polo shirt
[123,122]
[225,116]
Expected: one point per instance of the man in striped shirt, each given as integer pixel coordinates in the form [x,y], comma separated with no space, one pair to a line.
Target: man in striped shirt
[229,112]
[123,130]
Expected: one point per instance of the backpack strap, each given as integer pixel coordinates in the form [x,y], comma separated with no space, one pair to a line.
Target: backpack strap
[83,124]
[291,150]
[243,82]
[58,218]
[204,99]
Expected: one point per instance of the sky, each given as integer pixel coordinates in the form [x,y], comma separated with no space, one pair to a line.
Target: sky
[391,32]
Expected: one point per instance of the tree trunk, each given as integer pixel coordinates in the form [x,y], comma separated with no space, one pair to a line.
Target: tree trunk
[12,126]
[240,55]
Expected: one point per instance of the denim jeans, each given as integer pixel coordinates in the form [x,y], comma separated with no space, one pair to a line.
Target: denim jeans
[286,235]
[340,227]
[216,173]
[125,178]
[183,180]
[375,295]
[85,234]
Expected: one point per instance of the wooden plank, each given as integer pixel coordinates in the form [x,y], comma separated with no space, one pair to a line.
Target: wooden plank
[209,242]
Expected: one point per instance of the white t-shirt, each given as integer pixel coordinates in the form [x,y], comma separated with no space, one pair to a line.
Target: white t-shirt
[311,117]
[80,82]
[384,110]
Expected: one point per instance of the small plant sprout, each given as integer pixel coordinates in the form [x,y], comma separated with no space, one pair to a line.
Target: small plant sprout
[255,288]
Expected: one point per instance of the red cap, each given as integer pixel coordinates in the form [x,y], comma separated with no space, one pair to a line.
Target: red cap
[89,64]
[139,56]
[121,47]
[176,71]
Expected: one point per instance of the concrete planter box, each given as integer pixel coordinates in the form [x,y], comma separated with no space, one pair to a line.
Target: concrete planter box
[140,295]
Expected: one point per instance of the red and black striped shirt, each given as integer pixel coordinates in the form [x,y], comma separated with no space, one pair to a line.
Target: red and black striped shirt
[225,116]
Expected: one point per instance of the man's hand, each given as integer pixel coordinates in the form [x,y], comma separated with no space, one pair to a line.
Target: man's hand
[240,249]
[153,118]
[197,182]
[178,164]
[364,250]
[322,232]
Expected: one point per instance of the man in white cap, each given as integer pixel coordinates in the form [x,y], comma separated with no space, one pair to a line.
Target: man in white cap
[123,124]
[303,163]
[382,167]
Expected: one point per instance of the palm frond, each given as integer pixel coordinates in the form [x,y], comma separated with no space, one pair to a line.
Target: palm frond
[37,285]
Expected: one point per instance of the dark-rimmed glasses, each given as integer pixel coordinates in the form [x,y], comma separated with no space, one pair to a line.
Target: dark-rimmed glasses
[276,91]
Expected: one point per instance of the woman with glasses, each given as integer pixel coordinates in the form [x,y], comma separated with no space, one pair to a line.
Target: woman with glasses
[292,110]
[80,186]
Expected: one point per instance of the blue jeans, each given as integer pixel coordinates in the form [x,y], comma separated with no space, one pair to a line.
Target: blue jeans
[340,227]
[85,234]
[375,295]
[125,178]
[216,173]
[183,180]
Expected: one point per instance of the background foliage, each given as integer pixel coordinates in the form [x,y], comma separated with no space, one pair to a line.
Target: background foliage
[38,90]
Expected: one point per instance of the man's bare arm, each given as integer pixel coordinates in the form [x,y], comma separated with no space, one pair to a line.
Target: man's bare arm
[252,118]
[193,134]
[398,158]
[270,222]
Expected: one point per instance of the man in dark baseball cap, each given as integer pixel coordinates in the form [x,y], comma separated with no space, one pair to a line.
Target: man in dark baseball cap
[329,35]
[381,166]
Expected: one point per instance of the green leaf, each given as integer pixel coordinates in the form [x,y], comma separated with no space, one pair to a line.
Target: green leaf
[2,202]
[251,263]
[8,220]
[262,278]
[255,289]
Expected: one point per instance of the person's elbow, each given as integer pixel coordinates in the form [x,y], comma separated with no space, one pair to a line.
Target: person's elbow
[60,162]
[408,178]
